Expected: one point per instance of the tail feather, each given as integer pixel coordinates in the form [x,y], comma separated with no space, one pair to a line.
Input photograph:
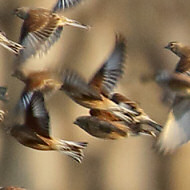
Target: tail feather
[13,46]
[154,125]
[72,149]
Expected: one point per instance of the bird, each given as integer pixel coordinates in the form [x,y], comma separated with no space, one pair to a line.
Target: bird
[176,131]
[41,29]
[98,93]
[10,45]
[183,52]
[11,188]
[105,125]
[32,128]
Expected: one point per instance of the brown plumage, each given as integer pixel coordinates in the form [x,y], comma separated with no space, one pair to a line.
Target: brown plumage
[98,93]
[41,29]
[32,128]
[103,124]
[44,81]
[10,45]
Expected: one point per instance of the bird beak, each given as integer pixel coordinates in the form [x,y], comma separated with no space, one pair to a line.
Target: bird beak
[167,47]
[75,122]
[77,24]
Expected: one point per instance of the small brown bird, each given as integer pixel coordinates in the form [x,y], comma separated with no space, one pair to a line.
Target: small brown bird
[95,94]
[11,188]
[176,131]
[183,52]
[33,130]
[41,29]
[10,45]
[103,124]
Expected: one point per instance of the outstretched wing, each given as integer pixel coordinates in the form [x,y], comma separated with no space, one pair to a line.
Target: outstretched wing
[64,4]
[176,131]
[77,88]
[107,76]
[36,117]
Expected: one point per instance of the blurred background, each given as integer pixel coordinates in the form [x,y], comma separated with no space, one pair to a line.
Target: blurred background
[108,165]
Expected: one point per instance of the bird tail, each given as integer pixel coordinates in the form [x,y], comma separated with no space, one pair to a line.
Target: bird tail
[13,46]
[72,149]
[154,124]
[74,23]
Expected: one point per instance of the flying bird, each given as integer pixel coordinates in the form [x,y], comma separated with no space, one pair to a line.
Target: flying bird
[32,128]
[103,124]
[10,45]
[176,131]
[98,93]
[41,29]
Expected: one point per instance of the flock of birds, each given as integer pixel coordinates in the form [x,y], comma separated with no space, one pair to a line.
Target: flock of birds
[111,115]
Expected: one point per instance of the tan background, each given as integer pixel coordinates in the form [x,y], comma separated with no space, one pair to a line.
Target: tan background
[108,165]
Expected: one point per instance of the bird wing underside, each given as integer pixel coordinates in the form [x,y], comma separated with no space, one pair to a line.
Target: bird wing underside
[64,4]
[36,117]
[107,76]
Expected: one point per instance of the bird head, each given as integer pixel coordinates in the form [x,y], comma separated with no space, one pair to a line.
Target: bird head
[21,12]
[81,122]
[178,48]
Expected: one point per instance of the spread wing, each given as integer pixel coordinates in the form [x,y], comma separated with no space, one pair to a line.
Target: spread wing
[107,76]
[39,32]
[36,117]
[64,4]
[77,88]
[176,131]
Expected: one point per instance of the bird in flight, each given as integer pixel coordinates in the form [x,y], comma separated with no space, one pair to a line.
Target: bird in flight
[32,128]
[176,131]
[42,28]
[98,92]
